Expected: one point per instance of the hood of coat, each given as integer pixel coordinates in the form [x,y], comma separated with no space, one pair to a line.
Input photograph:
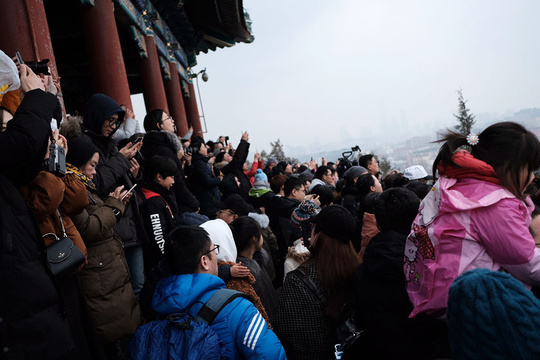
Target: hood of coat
[262,219]
[98,109]
[220,233]
[162,138]
[178,292]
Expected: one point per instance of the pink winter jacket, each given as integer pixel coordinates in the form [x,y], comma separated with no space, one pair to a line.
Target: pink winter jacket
[464,224]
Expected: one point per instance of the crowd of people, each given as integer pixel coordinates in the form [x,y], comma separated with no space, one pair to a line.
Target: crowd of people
[299,261]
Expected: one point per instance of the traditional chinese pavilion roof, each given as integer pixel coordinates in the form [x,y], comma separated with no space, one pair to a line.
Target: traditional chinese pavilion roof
[181,28]
[202,25]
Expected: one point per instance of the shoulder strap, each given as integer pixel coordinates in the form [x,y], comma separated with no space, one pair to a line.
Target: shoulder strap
[216,303]
[308,282]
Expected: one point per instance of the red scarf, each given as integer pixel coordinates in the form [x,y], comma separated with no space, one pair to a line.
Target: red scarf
[471,167]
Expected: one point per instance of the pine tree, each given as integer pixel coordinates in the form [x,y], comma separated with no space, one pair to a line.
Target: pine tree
[385,166]
[277,151]
[465,118]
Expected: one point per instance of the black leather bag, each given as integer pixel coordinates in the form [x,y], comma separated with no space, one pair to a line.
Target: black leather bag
[62,255]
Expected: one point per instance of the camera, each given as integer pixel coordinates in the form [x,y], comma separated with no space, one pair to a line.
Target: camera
[192,150]
[38,67]
[349,159]
[56,163]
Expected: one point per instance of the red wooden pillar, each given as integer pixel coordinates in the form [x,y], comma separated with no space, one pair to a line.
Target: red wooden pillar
[108,70]
[192,112]
[175,100]
[25,29]
[152,81]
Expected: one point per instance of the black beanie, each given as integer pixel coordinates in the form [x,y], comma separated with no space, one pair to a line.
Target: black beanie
[152,119]
[335,221]
[80,150]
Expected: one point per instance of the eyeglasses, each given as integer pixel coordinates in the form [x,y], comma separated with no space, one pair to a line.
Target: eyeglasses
[303,190]
[216,249]
[169,118]
[113,122]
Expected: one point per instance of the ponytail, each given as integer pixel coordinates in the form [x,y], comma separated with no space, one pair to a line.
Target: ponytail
[451,142]
[507,146]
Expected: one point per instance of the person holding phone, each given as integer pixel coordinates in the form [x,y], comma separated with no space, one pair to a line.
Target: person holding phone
[105,279]
[117,167]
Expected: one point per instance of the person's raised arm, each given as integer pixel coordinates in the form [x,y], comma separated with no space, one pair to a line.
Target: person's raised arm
[240,155]
[26,137]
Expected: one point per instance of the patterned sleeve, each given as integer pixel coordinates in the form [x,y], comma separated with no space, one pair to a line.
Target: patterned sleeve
[299,320]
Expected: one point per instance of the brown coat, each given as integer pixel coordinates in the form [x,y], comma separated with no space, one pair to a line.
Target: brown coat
[46,194]
[245,285]
[105,279]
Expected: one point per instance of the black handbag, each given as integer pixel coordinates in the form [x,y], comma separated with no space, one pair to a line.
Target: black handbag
[62,255]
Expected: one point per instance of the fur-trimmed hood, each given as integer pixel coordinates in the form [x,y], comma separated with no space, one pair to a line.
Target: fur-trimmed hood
[262,219]
[298,252]
[71,127]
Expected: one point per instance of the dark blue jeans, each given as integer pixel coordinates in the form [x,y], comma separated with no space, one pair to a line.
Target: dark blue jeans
[135,260]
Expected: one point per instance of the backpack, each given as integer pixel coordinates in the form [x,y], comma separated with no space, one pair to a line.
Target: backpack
[180,336]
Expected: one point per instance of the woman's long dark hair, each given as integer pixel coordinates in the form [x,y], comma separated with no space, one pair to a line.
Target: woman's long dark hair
[335,262]
[507,146]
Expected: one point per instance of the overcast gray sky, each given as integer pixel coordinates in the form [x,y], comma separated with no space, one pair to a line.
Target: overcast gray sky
[326,74]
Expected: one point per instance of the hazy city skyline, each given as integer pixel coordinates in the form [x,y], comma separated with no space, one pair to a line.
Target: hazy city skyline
[320,74]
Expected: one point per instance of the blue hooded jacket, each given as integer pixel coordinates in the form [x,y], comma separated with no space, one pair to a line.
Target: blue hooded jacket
[239,325]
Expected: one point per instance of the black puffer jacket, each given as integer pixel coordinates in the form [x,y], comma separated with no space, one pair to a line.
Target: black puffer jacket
[113,168]
[32,320]
[165,143]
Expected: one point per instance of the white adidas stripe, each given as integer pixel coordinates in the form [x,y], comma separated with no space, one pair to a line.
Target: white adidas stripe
[254,330]
[257,337]
[250,326]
